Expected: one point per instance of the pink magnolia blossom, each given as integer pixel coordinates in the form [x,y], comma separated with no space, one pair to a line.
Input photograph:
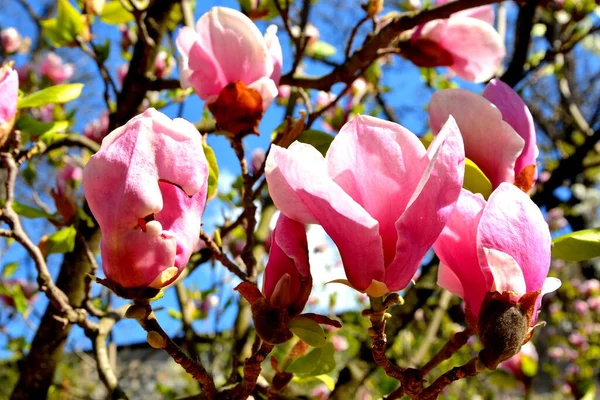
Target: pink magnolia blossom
[55,70]
[97,129]
[147,189]
[378,194]
[502,245]
[287,280]
[9,91]
[466,42]
[10,39]
[497,128]
[225,48]
[163,64]
[63,193]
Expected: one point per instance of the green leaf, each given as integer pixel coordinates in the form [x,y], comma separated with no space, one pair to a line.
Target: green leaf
[29,212]
[308,331]
[54,94]
[62,241]
[319,140]
[318,362]
[577,246]
[114,13]
[103,50]
[321,50]
[38,128]
[19,299]
[9,269]
[213,171]
[590,393]
[529,366]
[64,29]
[475,179]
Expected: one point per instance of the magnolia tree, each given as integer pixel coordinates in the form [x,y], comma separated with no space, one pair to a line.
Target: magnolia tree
[338,254]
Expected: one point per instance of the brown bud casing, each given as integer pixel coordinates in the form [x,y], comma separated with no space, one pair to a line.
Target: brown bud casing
[238,109]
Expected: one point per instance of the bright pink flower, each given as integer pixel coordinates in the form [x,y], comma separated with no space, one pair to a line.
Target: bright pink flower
[497,128]
[379,194]
[287,280]
[9,91]
[147,189]
[466,42]
[55,70]
[502,245]
[10,39]
[225,48]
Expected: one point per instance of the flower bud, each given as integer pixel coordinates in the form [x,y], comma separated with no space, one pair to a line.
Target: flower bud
[10,39]
[9,91]
[55,70]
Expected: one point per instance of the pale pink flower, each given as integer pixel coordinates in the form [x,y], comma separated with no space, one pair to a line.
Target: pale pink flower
[10,39]
[594,303]
[466,42]
[371,194]
[320,392]
[497,128]
[340,343]
[502,245]
[163,64]
[9,91]
[226,48]
[257,160]
[55,70]
[581,307]
[146,186]
[97,129]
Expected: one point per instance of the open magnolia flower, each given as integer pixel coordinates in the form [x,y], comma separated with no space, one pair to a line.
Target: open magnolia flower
[497,252]
[232,66]
[147,189]
[378,194]
[466,42]
[9,91]
[497,129]
[286,286]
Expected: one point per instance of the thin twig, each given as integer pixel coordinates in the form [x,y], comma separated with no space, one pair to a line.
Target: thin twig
[222,257]
[432,329]
[191,366]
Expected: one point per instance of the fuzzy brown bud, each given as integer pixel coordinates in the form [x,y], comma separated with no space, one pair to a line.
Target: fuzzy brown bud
[502,327]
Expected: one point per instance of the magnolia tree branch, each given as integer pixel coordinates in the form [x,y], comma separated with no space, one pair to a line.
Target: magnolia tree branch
[158,338]
[371,50]
[458,340]
[468,370]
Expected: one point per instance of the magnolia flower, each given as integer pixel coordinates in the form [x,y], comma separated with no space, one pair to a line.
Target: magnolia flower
[500,246]
[147,186]
[163,64]
[466,42]
[371,194]
[287,280]
[97,129]
[231,65]
[10,39]
[9,91]
[497,128]
[63,194]
[55,70]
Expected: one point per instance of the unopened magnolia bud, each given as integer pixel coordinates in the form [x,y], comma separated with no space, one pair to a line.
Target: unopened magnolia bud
[136,312]
[155,340]
[270,322]
[502,327]
[238,109]
[374,7]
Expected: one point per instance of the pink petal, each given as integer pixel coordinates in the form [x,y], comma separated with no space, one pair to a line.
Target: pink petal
[9,91]
[153,169]
[484,13]
[288,256]
[275,52]
[490,142]
[430,206]
[236,45]
[476,47]
[457,249]
[513,224]
[448,280]
[516,114]
[302,190]
[379,164]
[199,69]
[505,273]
